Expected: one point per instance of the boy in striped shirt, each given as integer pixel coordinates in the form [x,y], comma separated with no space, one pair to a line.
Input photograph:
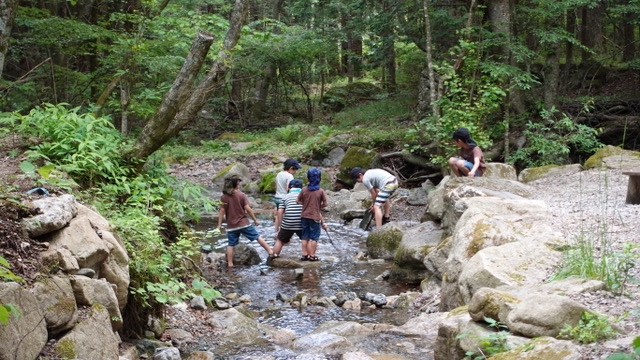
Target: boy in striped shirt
[288,220]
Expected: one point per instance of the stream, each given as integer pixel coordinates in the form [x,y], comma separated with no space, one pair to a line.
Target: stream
[338,271]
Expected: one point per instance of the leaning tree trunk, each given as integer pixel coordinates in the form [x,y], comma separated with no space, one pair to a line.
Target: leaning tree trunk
[7,15]
[182,103]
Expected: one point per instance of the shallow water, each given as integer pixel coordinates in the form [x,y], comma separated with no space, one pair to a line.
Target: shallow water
[338,271]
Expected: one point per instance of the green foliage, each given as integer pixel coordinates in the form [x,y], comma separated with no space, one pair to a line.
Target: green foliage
[491,344]
[5,271]
[595,254]
[204,289]
[6,310]
[289,134]
[591,328]
[634,355]
[552,139]
[85,147]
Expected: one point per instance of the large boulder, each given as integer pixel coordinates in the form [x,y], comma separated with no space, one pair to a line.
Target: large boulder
[544,315]
[541,172]
[543,347]
[91,338]
[501,171]
[238,169]
[417,242]
[82,240]
[356,157]
[92,292]
[520,264]
[26,334]
[613,157]
[55,213]
[56,299]
[383,243]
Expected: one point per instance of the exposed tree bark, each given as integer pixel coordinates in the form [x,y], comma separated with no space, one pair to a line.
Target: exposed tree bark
[412,159]
[154,133]
[501,16]
[124,107]
[182,102]
[571,29]
[7,16]
[551,77]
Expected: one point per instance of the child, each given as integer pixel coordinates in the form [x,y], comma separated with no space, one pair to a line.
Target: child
[381,185]
[288,221]
[313,199]
[282,179]
[471,159]
[235,206]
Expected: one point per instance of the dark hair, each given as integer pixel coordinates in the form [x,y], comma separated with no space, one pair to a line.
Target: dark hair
[355,172]
[463,134]
[230,183]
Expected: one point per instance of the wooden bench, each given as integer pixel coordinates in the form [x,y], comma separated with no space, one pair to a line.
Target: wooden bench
[633,189]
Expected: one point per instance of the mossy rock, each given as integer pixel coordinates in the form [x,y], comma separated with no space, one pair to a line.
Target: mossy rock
[357,157]
[267,182]
[595,160]
[540,172]
[239,169]
[382,244]
[613,157]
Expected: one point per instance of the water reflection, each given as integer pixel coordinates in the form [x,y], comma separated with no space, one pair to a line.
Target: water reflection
[338,271]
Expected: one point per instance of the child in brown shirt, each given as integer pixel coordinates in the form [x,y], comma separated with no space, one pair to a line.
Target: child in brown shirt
[312,199]
[235,206]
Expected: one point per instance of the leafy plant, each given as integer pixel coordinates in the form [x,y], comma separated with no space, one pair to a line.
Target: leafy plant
[634,355]
[553,138]
[491,344]
[204,289]
[591,328]
[6,310]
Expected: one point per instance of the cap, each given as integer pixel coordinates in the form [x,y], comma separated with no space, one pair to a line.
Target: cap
[291,163]
[295,183]
[461,133]
[355,172]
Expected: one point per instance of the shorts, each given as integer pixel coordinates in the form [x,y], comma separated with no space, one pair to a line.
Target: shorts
[286,235]
[310,229]
[469,165]
[276,200]
[384,193]
[233,236]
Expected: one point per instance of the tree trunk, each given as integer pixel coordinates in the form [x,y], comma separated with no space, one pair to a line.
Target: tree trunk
[501,16]
[551,77]
[155,132]
[423,106]
[7,15]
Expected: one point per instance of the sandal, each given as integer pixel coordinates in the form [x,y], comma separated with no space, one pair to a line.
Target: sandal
[313,258]
[385,219]
[304,258]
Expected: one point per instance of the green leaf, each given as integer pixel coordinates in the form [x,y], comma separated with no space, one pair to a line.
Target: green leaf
[27,167]
[45,171]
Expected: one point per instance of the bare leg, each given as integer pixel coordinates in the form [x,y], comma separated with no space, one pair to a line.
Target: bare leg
[457,166]
[377,212]
[265,245]
[229,256]
[387,209]
[312,247]
[277,247]
[303,247]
